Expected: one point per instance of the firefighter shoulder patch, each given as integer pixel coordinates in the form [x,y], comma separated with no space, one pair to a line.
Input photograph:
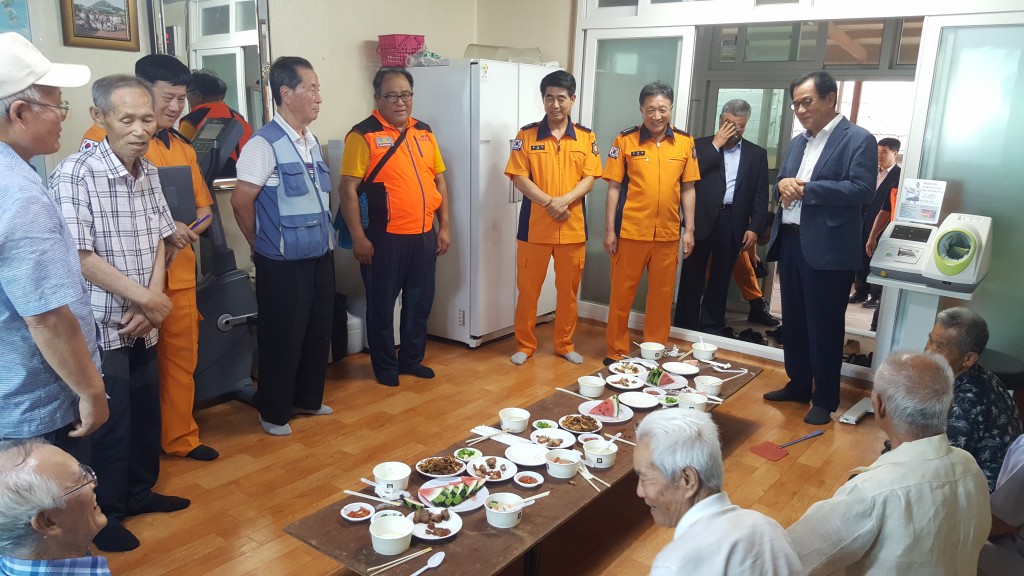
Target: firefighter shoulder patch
[595,150]
[517,144]
[614,152]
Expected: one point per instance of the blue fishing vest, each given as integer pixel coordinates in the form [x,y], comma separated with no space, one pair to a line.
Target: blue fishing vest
[293,219]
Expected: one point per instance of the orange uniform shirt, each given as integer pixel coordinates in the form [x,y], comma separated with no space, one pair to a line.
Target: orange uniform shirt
[555,166]
[651,174]
[174,151]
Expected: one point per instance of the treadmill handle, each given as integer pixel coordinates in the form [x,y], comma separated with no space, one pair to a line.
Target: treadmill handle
[226,321]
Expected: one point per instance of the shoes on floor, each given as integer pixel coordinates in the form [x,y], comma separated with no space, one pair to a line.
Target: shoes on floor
[852,347]
[751,335]
[775,334]
[387,378]
[419,371]
[159,503]
[759,313]
[858,297]
[608,361]
[871,302]
[818,416]
[203,453]
[784,395]
[115,538]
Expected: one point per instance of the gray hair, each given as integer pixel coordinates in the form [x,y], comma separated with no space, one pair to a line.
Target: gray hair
[684,439]
[30,93]
[971,329]
[23,494]
[917,388]
[737,107]
[104,88]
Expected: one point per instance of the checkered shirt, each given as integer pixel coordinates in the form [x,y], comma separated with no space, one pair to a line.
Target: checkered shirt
[84,566]
[119,217]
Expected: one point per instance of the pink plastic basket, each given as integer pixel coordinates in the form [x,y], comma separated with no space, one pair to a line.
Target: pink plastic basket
[394,48]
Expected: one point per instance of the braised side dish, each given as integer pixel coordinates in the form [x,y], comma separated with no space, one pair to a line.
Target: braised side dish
[440,465]
[549,441]
[580,423]
[432,521]
[488,469]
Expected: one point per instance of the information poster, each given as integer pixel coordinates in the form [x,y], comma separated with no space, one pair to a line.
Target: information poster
[921,201]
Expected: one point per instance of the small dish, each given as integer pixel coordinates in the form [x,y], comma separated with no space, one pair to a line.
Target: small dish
[467,453]
[578,424]
[544,424]
[555,438]
[456,472]
[492,468]
[629,369]
[681,368]
[626,382]
[528,479]
[357,512]
[638,400]
[453,524]
[654,391]
[526,454]
[584,438]
[625,412]
[669,401]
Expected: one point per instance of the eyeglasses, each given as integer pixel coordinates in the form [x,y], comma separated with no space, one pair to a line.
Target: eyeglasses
[394,98]
[64,106]
[90,478]
[805,104]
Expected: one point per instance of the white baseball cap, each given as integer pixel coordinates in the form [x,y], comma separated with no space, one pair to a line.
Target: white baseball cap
[22,65]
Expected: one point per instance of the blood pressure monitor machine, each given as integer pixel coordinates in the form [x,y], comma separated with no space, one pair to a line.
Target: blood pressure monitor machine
[902,251]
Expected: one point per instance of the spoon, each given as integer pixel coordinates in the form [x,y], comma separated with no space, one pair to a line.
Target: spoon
[372,483]
[432,562]
[608,446]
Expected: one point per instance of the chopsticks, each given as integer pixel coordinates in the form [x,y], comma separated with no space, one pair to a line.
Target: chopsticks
[361,495]
[570,392]
[537,497]
[475,441]
[621,440]
[378,569]
[586,472]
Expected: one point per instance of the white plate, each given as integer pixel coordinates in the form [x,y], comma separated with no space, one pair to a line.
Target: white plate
[626,382]
[527,454]
[655,392]
[567,438]
[624,412]
[509,471]
[456,473]
[474,502]
[518,478]
[454,523]
[347,509]
[475,454]
[552,424]
[629,368]
[638,400]
[562,420]
[680,368]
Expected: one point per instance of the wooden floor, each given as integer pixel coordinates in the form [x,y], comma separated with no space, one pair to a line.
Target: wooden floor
[241,502]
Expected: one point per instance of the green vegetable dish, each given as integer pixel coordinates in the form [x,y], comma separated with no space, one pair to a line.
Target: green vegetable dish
[466,453]
[670,400]
[543,425]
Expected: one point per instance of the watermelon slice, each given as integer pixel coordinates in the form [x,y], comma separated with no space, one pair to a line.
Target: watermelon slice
[436,496]
[608,408]
[413,504]
[666,379]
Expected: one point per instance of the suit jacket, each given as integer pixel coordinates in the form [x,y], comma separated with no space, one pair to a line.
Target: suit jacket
[892,180]
[843,181]
[750,197]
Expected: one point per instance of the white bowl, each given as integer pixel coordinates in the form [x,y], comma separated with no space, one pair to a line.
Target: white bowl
[469,453]
[693,401]
[654,391]
[503,519]
[391,536]
[669,400]
[591,386]
[708,385]
[584,438]
[704,351]
[514,419]
[562,470]
[599,454]
[346,512]
[652,350]
[538,479]
[544,424]
[392,475]
[386,514]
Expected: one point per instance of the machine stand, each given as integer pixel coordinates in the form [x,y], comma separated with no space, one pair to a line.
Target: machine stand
[855,413]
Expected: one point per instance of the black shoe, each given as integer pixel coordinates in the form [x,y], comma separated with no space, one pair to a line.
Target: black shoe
[160,503]
[871,302]
[387,378]
[858,297]
[608,361]
[419,371]
[818,416]
[759,313]
[726,332]
[775,334]
[115,538]
[784,395]
[750,335]
[203,453]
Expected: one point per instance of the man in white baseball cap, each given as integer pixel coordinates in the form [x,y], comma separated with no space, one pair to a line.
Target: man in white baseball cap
[50,385]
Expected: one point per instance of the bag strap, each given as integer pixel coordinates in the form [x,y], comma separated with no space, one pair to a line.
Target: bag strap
[387,156]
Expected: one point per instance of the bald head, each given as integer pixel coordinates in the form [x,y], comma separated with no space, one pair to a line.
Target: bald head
[917,389]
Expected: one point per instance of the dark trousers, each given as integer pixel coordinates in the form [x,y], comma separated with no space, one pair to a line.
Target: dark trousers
[295,299]
[126,449]
[401,263]
[860,279]
[700,307]
[80,448]
[814,309]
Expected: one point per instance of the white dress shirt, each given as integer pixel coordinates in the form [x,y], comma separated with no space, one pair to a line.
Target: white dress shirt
[718,538]
[882,174]
[1005,554]
[812,152]
[921,509]
[258,164]
[731,157]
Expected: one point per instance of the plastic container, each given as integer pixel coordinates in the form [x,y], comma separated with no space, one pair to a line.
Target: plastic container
[393,49]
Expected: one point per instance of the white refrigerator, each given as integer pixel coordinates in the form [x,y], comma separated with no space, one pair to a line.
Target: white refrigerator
[475,108]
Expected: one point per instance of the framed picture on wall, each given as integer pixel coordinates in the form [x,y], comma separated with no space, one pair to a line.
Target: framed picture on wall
[109,24]
[14,17]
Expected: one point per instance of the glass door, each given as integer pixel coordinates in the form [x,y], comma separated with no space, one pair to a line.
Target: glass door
[617,63]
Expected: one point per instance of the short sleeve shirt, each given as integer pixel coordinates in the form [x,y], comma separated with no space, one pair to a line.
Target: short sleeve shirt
[39,272]
[120,217]
[556,167]
[651,174]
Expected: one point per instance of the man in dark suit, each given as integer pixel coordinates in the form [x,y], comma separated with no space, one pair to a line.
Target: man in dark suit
[888,178]
[732,200]
[826,178]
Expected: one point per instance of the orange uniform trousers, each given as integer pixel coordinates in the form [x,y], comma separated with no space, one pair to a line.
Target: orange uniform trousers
[531,268]
[660,259]
[177,355]
[744,277]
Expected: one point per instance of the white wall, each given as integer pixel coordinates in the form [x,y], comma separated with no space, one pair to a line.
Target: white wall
[546,24]
[47,36]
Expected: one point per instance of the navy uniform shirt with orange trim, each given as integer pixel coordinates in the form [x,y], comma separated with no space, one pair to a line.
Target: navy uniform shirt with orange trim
[651,174]
[555,166]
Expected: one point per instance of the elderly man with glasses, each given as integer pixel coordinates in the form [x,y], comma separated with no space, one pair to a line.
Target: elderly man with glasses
[50,385]
[392,187]
[678,460]
[48,513]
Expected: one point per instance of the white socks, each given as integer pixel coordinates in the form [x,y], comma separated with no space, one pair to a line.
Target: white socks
[573,357]
[323,410]
[274,429]
[518,358]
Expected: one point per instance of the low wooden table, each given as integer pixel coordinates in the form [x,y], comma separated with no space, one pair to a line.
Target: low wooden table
[479,548]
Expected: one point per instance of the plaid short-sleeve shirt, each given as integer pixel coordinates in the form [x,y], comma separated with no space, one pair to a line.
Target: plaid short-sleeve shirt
[119,217]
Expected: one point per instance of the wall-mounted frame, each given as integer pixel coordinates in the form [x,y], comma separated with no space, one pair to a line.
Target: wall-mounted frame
[108,24]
